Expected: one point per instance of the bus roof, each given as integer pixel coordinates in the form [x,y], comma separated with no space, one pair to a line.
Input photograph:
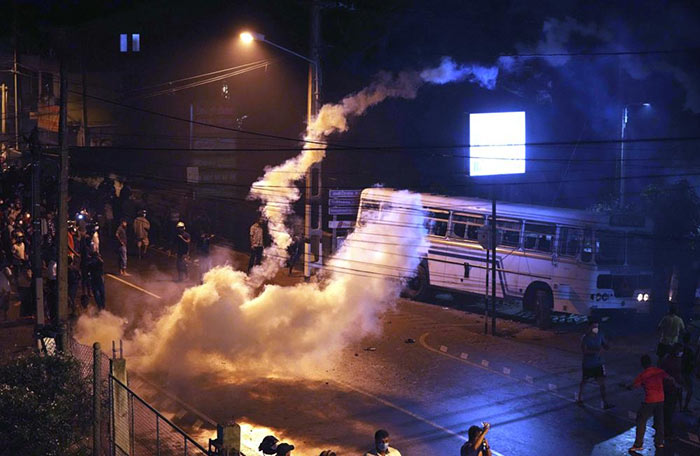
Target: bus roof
[557,215]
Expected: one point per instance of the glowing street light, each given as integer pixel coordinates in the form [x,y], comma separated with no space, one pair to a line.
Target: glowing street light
[249,37]
[311,110]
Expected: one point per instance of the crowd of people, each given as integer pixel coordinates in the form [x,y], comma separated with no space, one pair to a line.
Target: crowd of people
[477,445]
[104,216]
[668,386]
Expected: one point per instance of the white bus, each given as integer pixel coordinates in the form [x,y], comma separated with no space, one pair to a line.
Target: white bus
[553,259]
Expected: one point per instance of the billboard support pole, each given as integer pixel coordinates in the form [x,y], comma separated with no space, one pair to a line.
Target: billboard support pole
[493,267]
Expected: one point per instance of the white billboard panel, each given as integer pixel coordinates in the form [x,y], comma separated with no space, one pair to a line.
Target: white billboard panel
[497,143]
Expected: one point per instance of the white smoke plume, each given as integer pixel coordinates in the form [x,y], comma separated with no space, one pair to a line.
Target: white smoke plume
[277,189]
[228,324]
[222,326]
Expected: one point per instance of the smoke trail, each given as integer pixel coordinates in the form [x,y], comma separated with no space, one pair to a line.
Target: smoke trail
[226,324]
[277,190]
[561,36]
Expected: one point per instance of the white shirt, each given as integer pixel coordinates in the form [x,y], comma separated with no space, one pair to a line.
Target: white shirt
[390,452]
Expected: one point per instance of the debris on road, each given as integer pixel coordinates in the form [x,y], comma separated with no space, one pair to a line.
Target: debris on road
[410,341]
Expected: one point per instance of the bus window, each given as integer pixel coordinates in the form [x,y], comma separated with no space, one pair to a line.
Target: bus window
[587,246]
[539,237]
[436,222]
[511,232]
[610,247]
[466,226]
[569,241]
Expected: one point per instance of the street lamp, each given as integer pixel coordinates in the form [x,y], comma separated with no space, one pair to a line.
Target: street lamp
[247,38]
[623,129]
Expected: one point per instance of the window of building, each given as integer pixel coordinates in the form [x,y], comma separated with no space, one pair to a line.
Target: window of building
[136,42]
[123,43]
[539,237]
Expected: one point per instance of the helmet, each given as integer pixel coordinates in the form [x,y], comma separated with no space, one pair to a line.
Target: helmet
[180,225]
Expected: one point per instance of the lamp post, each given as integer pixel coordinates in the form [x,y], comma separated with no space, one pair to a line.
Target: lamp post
[311,111]
[621,160]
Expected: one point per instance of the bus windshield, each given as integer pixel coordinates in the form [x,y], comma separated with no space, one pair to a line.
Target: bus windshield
[639,249]
[610,248]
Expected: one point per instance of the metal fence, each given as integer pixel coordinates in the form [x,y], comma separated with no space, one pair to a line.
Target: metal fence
[128,424]
[139,429]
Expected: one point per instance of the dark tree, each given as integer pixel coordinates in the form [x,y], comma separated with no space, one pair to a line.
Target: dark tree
[45,406]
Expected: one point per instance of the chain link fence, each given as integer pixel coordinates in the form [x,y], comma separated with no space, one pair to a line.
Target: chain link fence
[129,426]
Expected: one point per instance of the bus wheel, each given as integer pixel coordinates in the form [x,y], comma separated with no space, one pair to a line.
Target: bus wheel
[417,287]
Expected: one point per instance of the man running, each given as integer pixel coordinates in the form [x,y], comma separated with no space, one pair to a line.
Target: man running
[592,344]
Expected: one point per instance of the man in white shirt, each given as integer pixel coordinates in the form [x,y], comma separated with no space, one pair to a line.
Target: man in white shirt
[381,445]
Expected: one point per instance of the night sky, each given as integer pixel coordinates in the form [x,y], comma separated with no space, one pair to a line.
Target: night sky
[621,53]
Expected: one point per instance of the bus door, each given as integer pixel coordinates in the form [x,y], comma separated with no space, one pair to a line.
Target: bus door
[509,257]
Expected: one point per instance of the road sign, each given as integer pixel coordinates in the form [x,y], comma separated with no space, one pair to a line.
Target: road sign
[343,202]
[342,210]
[340,224]
[344,193]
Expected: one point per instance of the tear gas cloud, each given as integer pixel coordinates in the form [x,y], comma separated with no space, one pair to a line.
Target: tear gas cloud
[227,324]
[224,326]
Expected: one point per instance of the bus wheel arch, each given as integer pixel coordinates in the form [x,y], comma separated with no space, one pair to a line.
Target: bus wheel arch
[539,298]
[418,287]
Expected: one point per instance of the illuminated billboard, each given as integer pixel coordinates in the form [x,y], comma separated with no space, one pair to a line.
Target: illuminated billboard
[497,143]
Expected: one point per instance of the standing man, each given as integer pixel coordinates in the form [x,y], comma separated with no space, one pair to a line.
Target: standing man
[97,280]
[670,327]
[592,344]
[141,228]
[256,244]
[477,444]
[671,364]
[182,248]
[381,445]
[652,380]
[121,237]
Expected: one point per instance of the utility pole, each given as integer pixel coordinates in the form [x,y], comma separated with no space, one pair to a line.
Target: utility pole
[486,295]
[86,130]
[313,229]
[493,267]
[16,94]
[62,275]
[3,108]
[35,149]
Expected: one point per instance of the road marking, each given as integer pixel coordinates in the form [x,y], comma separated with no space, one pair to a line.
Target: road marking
[506,371]
[529,379]
[409,413]
[443,349]
[485,363]
[552,387]
[464,355]
[143,290]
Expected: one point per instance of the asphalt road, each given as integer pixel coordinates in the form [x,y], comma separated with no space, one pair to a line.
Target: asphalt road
[427,393]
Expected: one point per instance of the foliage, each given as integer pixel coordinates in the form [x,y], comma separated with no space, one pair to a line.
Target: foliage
[676,212]
[45,406]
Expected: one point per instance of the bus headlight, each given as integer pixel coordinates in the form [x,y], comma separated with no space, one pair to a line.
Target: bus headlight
[645,297]
[640,297]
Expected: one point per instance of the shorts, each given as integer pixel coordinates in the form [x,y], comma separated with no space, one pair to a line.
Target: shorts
[594,372]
